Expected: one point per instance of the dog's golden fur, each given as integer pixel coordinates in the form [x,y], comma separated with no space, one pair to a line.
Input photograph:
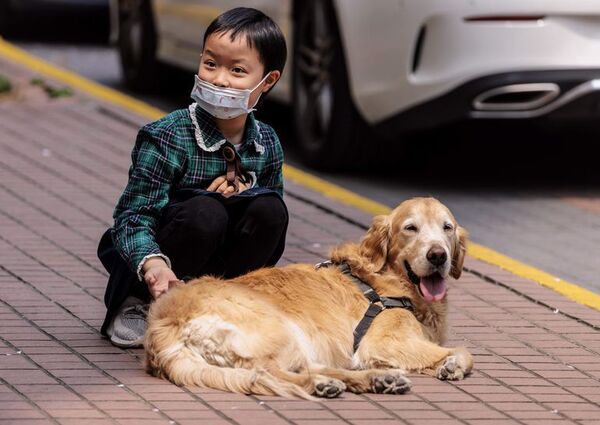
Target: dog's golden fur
[289,330]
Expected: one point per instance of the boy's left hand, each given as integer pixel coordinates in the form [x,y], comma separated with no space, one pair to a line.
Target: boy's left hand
[221,186]
[159,278]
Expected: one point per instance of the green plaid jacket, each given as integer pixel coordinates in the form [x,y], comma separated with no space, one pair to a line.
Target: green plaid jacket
[178,152]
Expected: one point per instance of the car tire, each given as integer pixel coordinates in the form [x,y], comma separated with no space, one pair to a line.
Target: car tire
[329,130]
[137,45]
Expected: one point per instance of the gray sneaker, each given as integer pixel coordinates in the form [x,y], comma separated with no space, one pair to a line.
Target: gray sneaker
[129,324]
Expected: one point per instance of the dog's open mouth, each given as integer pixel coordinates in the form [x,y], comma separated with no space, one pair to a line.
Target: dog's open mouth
[432,287]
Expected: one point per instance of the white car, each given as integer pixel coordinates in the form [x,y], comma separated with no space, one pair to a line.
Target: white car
[361,72]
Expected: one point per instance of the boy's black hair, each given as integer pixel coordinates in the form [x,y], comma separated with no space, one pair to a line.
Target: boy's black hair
[262,33]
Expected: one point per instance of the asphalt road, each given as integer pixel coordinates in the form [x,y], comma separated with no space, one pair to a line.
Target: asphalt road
[528,195]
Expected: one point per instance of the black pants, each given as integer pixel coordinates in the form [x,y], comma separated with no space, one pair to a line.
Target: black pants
[203,235]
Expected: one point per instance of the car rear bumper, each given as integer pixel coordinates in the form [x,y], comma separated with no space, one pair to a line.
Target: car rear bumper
[577,97]
[428,48]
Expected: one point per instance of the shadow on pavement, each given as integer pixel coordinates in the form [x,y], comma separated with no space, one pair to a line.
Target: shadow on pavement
[544,157]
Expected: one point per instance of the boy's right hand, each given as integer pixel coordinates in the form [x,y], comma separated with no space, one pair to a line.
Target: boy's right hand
[221,186]
[157,276]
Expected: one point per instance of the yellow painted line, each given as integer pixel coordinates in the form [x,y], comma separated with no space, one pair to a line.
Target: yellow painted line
[335,192]
[568,289]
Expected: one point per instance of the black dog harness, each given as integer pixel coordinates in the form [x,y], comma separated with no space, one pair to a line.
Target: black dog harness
[374,301]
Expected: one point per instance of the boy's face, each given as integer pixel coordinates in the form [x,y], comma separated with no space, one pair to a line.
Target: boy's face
[234,64]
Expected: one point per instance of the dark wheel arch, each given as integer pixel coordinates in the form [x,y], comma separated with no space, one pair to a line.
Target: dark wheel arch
[137,43]
[330,132]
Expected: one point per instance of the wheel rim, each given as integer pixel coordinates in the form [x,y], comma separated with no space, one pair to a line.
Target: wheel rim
[314,91]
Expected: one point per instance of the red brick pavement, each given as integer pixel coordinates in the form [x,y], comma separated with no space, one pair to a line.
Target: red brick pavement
[63,164]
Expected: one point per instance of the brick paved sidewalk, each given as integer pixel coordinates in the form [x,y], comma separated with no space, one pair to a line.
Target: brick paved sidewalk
[63,163]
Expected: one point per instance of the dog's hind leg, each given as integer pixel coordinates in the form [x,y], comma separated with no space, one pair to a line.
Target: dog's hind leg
[315,384]
[382,381]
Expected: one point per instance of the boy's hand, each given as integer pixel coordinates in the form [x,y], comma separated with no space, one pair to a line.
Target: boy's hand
[220,185]
[157,276]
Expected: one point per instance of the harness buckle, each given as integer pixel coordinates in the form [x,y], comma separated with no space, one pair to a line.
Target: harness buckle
[372,296]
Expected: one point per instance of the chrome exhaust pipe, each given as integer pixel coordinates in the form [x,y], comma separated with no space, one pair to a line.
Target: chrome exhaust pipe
[517,97]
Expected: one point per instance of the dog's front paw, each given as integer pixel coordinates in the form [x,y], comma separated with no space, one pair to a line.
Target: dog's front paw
[390,383]
[327,387]
[450,370]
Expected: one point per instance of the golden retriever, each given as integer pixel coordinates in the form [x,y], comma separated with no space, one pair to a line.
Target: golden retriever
[289,331]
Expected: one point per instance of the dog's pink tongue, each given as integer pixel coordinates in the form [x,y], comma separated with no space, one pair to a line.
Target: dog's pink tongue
[433,287]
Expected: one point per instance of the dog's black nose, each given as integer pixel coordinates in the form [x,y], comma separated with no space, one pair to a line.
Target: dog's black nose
[437,255]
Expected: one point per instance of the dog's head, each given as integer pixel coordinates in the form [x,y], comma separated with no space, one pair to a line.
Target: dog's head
[421,240]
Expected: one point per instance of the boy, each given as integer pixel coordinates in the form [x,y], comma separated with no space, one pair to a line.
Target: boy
[205,187]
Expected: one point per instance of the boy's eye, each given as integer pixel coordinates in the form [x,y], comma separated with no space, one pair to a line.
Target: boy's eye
[238,70]
[210,64]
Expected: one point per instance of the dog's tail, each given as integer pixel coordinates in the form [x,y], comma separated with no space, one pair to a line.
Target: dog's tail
[183,366]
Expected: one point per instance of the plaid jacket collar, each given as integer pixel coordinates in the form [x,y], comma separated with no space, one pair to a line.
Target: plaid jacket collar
[210,138]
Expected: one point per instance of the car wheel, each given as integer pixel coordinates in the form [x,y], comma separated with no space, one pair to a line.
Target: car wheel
[137,45]
[328,128]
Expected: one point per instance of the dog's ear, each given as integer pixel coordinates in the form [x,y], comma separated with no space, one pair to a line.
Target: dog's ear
[460,249]
[374,245]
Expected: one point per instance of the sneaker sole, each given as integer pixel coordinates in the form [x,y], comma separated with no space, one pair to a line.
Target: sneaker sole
[123,343]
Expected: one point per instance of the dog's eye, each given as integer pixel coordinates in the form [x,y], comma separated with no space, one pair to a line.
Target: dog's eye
[411,228]
[448,226]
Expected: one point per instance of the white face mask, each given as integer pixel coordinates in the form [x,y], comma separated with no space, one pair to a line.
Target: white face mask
[221,102]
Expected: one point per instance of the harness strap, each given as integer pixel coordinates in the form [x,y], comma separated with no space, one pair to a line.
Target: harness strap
[231,159]
[234,173]
[365,323]
[402,302]
[374,299]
